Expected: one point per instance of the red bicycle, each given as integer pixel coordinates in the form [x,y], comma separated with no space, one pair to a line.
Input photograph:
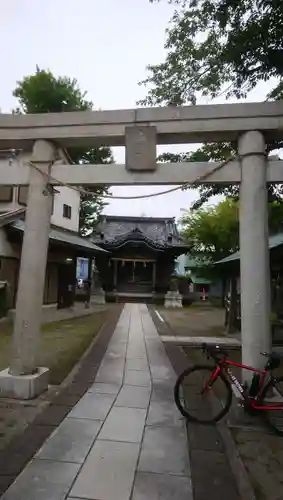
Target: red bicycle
[196,385]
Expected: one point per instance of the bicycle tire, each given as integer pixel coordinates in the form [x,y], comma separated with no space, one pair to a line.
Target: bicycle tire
[267,414]
[184,411]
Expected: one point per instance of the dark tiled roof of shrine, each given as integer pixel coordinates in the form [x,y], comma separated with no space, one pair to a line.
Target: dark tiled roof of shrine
[116,231]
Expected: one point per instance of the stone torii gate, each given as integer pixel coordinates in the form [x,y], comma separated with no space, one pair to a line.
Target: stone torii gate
[140,130]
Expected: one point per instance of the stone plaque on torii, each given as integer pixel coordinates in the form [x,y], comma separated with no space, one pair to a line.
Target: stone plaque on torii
[248,124]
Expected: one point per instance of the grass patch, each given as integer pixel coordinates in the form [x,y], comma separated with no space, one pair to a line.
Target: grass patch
[61,344]
[195,322]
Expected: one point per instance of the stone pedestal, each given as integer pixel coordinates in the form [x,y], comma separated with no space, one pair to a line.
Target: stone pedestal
[23,386]
[173,299]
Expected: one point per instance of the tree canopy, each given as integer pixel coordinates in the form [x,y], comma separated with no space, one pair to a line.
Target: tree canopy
[219,48]
[42,92]
[212,232]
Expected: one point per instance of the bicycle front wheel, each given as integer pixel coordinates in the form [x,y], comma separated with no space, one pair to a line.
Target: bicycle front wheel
[200,405]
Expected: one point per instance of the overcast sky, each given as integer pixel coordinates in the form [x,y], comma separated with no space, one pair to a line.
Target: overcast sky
[106,45]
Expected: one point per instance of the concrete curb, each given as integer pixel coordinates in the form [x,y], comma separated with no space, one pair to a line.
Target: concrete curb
[238,469]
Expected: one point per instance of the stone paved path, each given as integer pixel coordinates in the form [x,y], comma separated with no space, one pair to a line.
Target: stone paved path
[124,439]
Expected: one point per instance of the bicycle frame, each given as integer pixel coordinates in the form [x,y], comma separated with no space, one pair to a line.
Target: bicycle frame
[224,367]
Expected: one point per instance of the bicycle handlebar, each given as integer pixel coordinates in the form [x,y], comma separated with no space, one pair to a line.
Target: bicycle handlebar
[213,351]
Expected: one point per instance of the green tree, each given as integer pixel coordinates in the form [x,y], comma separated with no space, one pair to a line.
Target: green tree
[45,93]
[212,232]
[219,47]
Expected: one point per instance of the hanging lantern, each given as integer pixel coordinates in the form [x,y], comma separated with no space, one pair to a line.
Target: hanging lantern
[109,263]
[123,263]
[144,264]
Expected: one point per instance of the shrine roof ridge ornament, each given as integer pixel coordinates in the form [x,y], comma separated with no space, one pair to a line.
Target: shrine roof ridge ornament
[184,124]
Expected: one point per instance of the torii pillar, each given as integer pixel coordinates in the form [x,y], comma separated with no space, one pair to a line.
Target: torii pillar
[254,251]
[24,380]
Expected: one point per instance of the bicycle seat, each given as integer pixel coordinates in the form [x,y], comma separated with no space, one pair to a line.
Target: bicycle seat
[274,359]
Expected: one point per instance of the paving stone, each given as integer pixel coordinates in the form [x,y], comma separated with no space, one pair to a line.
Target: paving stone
[212,477]
[66,399]
[116,350]
[43,480]
[117,344]
[134,354]
[133,397]
[137,377]
[110,377]
[177,357]
[85,374]
[156,349]
[75,388]
[108,473]
[203,437]
[161,487]
[137,364]
[118,337]
[162,371]
[124,424]
[111,372]
[137,352]
[112,363]
[93,406]
[53,415]
[162,390]
[164,413]
[71,441]
[101,388]
[164,450]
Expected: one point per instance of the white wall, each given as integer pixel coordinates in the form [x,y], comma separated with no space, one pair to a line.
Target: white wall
[66,196]
[69,197]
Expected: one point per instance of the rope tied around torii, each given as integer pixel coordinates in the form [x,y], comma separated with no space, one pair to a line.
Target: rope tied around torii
[182,187]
